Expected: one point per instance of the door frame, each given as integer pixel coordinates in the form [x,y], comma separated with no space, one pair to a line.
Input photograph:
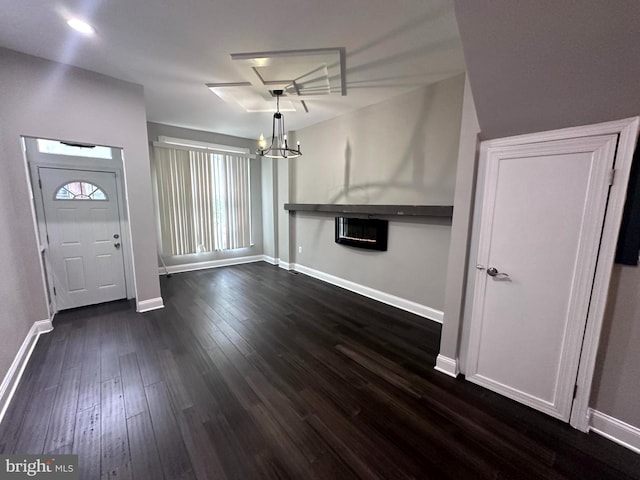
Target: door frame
[627,131]
[81,164]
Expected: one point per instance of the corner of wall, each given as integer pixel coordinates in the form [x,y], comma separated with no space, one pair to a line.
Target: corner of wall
[143,306]
[446,365]
[12,378]
[457,267]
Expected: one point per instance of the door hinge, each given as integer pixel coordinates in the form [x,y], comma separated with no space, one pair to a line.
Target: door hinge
[54,291]
[612,174]
[575,390]
[40,183]
[48,243]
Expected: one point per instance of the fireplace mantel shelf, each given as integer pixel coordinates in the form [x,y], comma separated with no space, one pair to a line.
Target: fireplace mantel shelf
[396,210]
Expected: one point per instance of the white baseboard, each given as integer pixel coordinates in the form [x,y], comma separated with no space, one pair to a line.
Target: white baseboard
[615,430]
[447,365]
[148,305]
[286,265]
[12,378]
[271,260]
[223,262]
[398,302]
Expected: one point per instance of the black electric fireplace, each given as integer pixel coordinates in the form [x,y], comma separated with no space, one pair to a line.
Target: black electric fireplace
[362,232]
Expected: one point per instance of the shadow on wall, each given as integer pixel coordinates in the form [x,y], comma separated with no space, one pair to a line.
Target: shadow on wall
[414,158]
[361,74]
[413,163]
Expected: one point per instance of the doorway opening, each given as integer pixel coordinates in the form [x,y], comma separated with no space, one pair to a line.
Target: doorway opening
[548,210]
[81,220]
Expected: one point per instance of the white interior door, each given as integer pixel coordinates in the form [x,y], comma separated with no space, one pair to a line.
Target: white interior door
[543,210]
[84,237]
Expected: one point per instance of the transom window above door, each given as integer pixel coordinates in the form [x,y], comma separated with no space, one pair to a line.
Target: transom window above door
[79,190]
[56,147]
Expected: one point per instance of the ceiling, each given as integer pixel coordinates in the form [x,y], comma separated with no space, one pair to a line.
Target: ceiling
[175,48]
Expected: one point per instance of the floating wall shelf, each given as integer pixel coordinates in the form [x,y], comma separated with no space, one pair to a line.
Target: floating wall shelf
[397,210]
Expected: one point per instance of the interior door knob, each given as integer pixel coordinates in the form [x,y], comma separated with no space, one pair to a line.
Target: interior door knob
[117,245]
[493,272]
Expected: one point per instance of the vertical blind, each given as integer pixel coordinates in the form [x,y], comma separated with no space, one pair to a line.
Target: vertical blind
[204,200]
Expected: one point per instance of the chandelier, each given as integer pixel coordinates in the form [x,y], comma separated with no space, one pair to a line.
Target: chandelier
[279,147]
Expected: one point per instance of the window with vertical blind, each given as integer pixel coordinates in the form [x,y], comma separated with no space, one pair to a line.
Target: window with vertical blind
[204,199]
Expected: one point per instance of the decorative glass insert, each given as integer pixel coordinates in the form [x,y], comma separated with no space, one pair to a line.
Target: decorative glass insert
[79,190]
[60,148]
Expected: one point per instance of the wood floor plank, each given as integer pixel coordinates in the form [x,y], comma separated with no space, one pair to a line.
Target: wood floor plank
[276,405]
[354,447]
[33,430]
[230,450]
[51,370]
[180,397]
[135,399]
[173,456]
[75,347]
[109,356]
[145,460]
[203,453]
[147,349]
[86,442]
[90,384]
[114,441]
[60,431]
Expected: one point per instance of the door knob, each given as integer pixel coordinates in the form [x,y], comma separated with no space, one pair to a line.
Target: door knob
[117,245]
[493,272]
[116,236]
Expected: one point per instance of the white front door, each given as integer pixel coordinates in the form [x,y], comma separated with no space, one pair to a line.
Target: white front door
[84,237]
[543,210]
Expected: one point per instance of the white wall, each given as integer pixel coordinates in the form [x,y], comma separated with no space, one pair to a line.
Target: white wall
[40,98]
[157,129]
[401,151]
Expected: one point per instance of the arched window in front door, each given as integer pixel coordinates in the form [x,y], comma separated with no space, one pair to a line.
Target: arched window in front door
[79,190]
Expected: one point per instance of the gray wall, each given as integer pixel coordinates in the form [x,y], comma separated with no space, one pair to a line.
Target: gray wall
[44,99]
[536,66]
[269,210]
[156,129]
[547,64]
[401,151]
[461,228]
[617,377]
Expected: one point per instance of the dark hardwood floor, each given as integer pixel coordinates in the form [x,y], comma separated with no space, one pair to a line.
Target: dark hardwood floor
[251,372]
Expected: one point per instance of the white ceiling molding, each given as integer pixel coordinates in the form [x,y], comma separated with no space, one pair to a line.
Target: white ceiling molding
[250,98]
[293,70]
[299,73]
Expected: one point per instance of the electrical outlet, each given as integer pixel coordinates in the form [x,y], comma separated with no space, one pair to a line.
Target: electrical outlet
[299,248]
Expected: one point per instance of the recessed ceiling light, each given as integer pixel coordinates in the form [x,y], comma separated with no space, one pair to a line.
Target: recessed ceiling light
[80,26]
